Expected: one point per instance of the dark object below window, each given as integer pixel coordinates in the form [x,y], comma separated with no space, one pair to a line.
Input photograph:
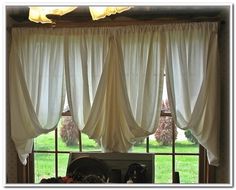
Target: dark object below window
[65,179]
[176,177]
[115,176]
[136,173]
[88,170]
[117,164]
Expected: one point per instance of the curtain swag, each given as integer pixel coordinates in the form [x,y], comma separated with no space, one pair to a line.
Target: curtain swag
[113,77]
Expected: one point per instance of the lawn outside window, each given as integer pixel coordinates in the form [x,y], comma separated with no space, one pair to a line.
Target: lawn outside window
[168,158]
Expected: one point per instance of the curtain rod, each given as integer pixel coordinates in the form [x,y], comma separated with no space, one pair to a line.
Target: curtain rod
[114,23]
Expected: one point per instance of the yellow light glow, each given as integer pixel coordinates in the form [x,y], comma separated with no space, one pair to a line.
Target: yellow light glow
[102,12]
[38,14]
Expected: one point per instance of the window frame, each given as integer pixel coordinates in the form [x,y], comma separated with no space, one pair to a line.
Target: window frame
[206,173]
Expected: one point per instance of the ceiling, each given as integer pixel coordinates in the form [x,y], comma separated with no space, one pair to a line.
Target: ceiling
[142,13]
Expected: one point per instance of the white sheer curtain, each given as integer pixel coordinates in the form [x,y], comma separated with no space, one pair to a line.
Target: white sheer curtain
[114,83]
[85,56]
[114,79]
[192,81]
[143,49]
[36,85]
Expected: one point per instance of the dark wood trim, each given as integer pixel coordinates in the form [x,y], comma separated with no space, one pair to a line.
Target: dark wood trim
[114,23]
[25,174]
[50,151]
[56,153]
[209,170]
[201,165]
[173,151]
[31,168]
[147,144]
[80,142]
[211,178]
[206,171]
[67,152]
[22,172]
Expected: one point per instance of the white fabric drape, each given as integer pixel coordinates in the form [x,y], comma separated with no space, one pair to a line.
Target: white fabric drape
[85,56]
[143,49]
[192,82]
[36,85]
[114,83]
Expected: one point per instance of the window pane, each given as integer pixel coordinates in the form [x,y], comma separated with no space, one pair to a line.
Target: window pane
[44,165]
[139,147]
[187,166]
[89,144]
[186,142]
[163,169]
[162,139]
[68,134]
[45,141]
[62,163]
[155,147]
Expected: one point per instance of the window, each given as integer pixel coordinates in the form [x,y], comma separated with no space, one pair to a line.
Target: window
[174,152]
[55,151]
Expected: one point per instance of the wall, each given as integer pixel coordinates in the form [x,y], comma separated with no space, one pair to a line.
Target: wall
[222,172]
[11,155]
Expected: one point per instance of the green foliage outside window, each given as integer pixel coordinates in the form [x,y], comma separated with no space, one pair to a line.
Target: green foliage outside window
[190,137]
[69,132]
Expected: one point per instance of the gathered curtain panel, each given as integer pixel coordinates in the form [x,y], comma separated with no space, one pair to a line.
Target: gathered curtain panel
[191,74]
[117,75]
[114,82]
[36,82]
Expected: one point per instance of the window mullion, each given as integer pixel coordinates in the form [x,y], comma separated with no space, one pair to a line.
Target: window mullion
[173,150]
[56,153]
[147,144]
[80,142]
